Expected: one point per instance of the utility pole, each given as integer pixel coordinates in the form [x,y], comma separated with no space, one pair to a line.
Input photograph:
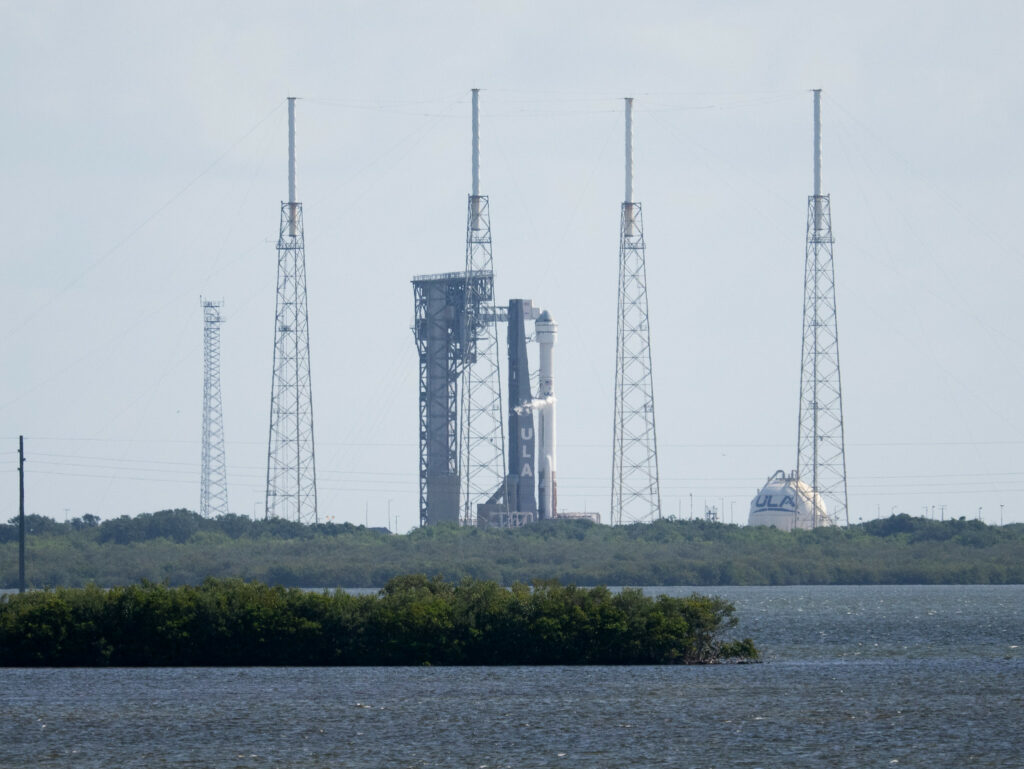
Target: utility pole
[21,513]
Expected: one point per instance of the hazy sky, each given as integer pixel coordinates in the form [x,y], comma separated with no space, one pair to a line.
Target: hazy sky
[145,158]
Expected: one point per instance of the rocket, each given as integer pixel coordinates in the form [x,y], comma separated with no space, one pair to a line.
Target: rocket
[547,333]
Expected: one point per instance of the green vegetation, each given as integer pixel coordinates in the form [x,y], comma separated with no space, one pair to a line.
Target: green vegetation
[411,621]
[180,547]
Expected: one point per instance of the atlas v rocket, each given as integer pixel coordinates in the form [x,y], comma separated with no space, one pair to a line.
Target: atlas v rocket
[547,333]
[452,326]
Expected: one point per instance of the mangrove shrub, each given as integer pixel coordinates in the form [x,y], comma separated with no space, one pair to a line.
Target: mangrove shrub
[413,620]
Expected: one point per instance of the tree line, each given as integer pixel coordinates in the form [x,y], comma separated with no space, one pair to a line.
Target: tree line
[413,620]
[180,547]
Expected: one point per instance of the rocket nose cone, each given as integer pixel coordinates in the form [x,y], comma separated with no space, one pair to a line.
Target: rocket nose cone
[545,317]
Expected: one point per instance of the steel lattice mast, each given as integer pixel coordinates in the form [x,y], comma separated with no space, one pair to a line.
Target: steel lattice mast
[291,460]
[821,452]
[636,495]
[213,494]
[481,428]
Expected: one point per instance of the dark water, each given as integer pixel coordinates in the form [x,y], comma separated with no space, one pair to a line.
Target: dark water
[854,677]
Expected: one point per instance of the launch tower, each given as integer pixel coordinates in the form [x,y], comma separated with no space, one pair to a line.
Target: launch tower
[821,452]
[636,495]
[291,460]
[213,494]
[440,331]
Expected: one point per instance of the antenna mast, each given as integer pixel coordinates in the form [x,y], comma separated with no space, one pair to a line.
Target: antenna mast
[291,460]
[481,433]
[821,451]
[213,494]
[636,495]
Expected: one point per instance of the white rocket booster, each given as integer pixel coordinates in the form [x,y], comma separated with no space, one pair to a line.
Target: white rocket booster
[547,333]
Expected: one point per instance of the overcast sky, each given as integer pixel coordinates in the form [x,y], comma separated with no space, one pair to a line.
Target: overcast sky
[145,159]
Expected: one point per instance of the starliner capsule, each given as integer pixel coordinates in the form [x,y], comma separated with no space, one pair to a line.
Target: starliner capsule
[547,333]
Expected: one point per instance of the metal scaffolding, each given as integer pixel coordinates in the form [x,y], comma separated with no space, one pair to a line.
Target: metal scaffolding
[481,427]
[636,495]
[439,329]
[821,452]
[213,494]
[291,459]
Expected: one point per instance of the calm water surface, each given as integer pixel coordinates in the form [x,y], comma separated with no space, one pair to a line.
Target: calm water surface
[854,677]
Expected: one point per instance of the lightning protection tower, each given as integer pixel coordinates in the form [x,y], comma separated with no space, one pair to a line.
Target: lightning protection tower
[291,460]
[482,437]
[213,494]
[821,453]
[636,495]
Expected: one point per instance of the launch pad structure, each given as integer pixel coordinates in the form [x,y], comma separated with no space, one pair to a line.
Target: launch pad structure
[463,475]
[462,435]
[445,336]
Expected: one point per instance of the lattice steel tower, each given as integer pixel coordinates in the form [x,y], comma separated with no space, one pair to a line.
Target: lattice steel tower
[481,428]
[213,493]
[291,460]
[636,495]
[821,453]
